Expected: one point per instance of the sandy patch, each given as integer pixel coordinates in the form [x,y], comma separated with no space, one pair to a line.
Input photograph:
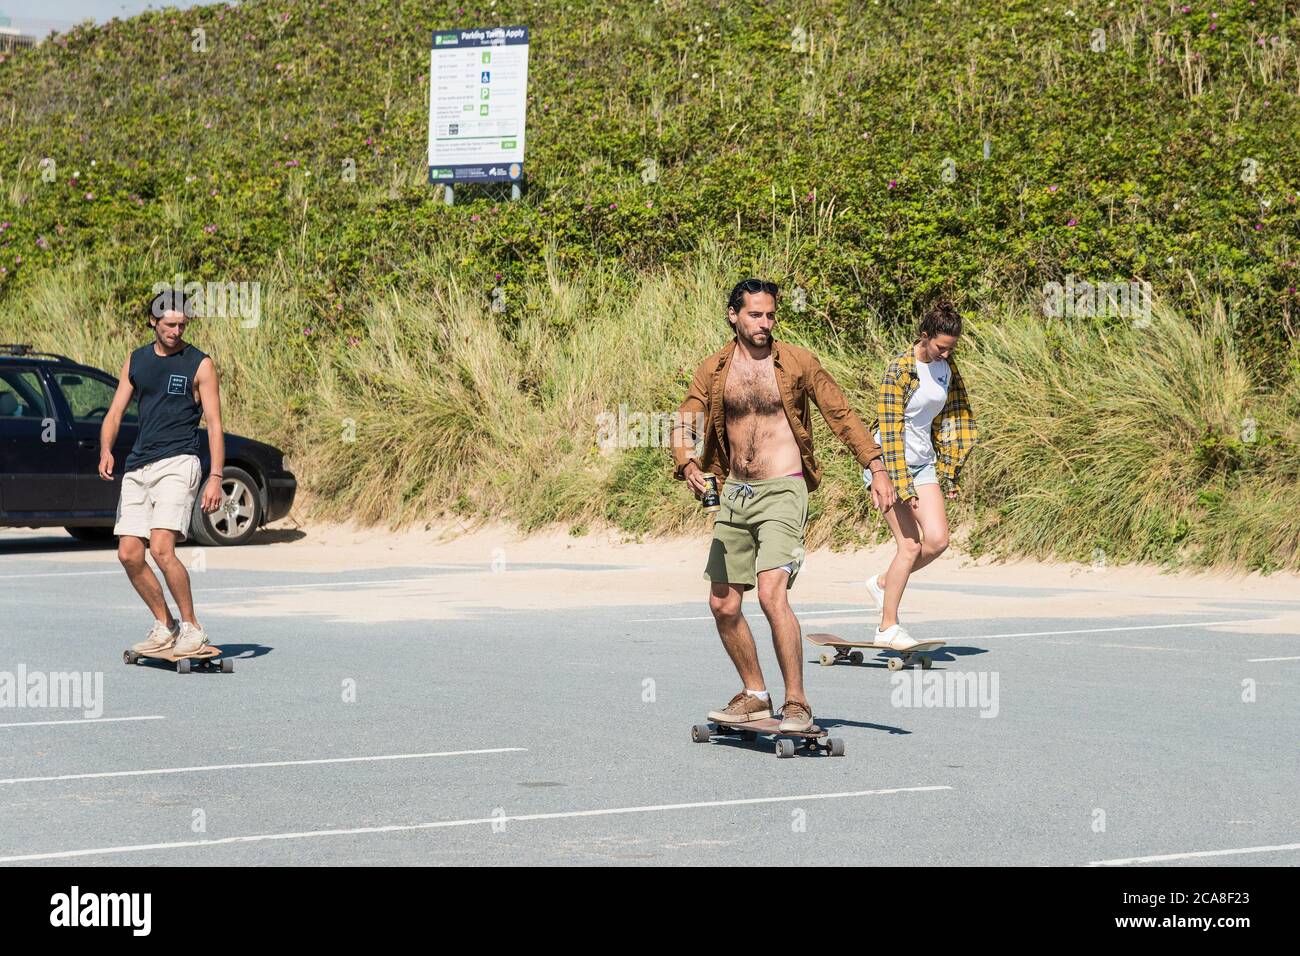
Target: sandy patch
[445,571]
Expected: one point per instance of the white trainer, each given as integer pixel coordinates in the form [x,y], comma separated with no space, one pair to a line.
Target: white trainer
[160,638]
[896,638]
[191,639]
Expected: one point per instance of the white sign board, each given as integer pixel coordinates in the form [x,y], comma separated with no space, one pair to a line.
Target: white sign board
[478,100]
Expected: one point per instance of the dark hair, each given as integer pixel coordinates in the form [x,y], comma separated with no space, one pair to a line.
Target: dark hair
[752,286]
[169,300]
[942,318]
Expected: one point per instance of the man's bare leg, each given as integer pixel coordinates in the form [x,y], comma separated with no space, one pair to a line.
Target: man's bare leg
[162,544]
[130,552]
[786,633]
[724,602]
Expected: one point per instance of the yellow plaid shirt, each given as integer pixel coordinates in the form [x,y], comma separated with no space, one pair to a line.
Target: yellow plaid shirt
[953,431]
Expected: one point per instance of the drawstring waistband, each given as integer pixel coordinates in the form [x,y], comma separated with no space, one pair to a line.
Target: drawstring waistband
[741,488]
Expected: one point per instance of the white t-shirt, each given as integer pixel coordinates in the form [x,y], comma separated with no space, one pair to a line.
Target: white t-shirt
[922,408]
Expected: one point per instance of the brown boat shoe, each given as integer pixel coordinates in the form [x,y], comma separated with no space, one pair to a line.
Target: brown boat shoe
[796,716]
[743,708]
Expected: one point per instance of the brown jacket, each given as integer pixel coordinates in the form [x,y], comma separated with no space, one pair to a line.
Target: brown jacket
[799,376]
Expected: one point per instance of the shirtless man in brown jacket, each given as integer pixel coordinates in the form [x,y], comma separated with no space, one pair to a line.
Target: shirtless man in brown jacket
[753,394]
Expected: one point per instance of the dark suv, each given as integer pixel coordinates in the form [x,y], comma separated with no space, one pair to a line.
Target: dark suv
[51,409]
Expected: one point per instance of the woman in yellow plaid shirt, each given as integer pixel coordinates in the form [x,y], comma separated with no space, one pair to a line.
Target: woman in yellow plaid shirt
[925,429]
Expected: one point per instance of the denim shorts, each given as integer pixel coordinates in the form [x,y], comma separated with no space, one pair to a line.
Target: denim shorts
[921,475]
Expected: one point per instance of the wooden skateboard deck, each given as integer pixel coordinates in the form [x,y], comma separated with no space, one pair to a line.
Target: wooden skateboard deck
[750,729]
[205,658]
[916,653]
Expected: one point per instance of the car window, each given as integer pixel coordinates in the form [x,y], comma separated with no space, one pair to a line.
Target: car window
[90,396]
[21,395]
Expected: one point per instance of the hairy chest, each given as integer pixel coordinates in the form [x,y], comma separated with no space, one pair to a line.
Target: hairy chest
[751,389]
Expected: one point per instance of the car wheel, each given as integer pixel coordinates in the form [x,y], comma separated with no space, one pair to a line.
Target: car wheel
[238,517]
[91,534]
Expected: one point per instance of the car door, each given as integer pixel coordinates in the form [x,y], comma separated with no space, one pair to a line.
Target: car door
[37,461]
[87,397]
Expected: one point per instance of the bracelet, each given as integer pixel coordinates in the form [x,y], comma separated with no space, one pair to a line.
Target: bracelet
[214,475]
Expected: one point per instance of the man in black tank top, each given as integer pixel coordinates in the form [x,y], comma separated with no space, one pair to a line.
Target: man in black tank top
[175,385]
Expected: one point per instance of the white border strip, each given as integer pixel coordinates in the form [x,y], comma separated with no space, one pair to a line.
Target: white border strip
[444,824]
[1195,855]
[1263,660]
[247,766]
[84,720]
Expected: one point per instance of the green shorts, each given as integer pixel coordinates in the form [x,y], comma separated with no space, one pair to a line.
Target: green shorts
[759,527]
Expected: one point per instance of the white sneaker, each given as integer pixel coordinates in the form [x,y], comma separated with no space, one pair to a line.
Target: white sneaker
[877,592]
[191,640]
[159,639]
[896,638]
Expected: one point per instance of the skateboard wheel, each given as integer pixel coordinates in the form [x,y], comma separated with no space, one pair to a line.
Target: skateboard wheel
[837,747]
[183,665]
[128,657]
[895,664]
[856,657]
[785,748]
[227,666]
[925,663]
[827,658]
[700,733]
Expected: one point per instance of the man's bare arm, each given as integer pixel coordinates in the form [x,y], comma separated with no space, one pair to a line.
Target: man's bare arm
[210,397]
[692,417]
[108,429]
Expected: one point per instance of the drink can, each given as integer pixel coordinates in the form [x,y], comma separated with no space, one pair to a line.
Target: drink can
[711,503]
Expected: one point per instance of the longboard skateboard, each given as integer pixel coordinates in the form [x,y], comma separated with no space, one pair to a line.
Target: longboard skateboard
[842,651]
[750,729]
[205,659]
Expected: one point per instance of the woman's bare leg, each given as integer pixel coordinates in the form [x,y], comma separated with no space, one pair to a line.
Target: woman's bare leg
[902,521]
[932,516]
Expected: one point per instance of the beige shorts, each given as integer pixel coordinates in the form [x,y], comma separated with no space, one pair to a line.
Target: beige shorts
[158,495]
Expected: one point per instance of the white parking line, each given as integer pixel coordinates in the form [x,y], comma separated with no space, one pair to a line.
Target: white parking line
[977,637]
[477,821]
[1200,853]
[57,574]
[321,584]
[1105,630]
[1127,647]
[91,720]
[1262,660]
[247,766]
[709,617]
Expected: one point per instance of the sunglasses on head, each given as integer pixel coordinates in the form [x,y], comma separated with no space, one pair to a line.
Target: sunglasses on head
[753,286]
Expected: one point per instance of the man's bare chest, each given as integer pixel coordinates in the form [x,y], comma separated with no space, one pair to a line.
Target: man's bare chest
[751,389]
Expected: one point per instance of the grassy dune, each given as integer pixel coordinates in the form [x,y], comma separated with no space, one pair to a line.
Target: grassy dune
[1100,442]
